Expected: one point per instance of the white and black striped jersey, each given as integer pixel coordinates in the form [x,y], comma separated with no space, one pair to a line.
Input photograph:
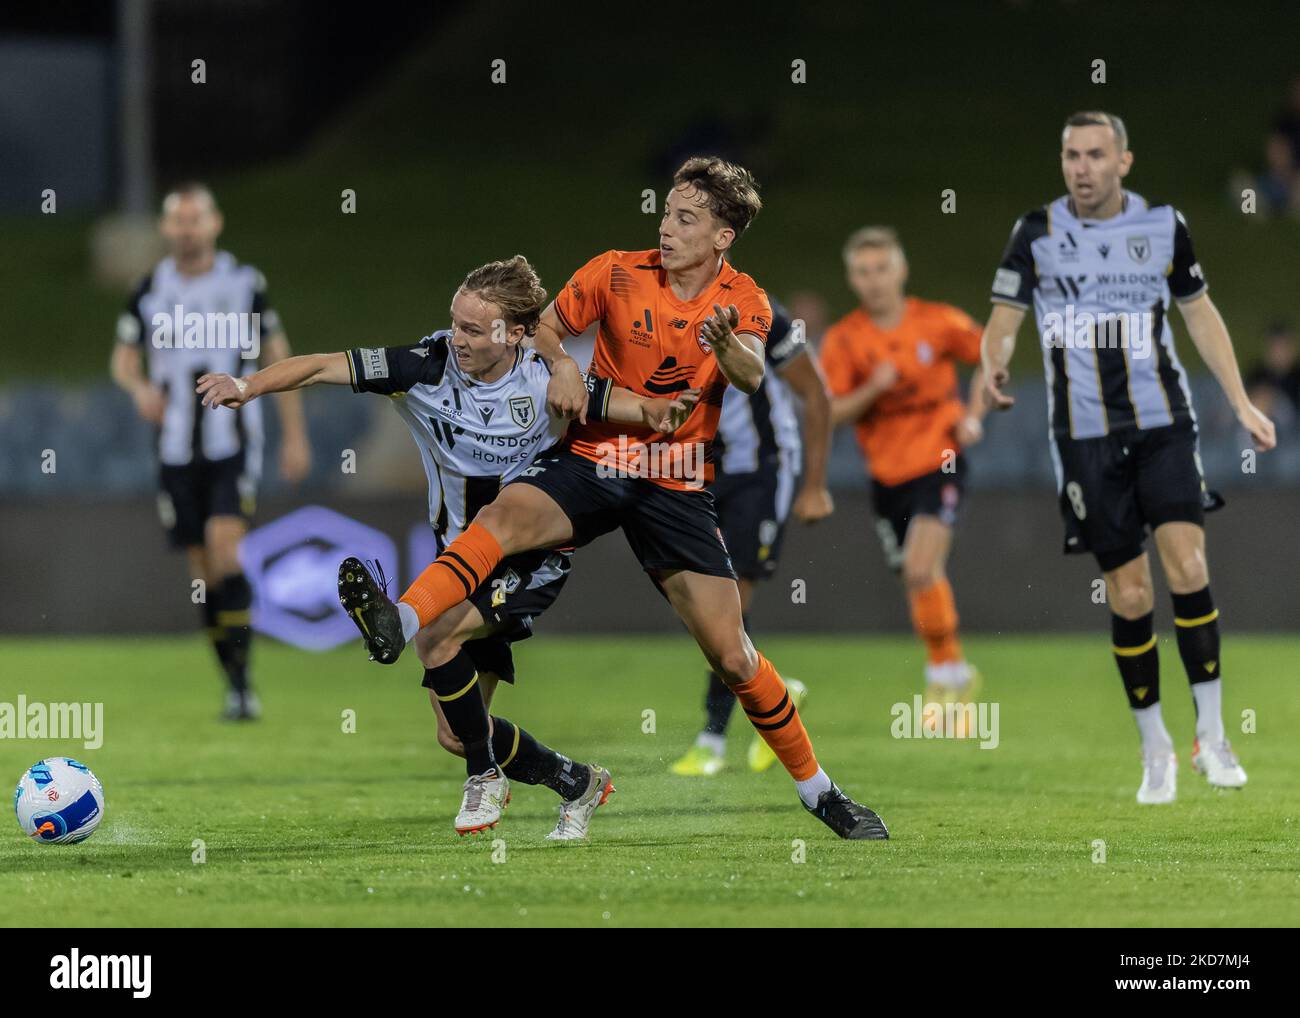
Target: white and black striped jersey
[763,428]
[1101,291]
[225,297]
[473,436]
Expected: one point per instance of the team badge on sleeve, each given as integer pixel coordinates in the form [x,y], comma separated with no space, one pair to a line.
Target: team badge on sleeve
[1006,282]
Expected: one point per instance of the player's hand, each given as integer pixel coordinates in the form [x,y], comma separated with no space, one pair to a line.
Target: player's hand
[666,415]
[150,403]
[883,377]
[295,458]
[813,504]
[223,390]
[1260,427]
[716,329]
[566,393]
[993,382]
[968,431]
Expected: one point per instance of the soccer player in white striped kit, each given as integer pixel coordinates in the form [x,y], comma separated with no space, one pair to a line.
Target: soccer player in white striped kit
[474,399]
[1100,266]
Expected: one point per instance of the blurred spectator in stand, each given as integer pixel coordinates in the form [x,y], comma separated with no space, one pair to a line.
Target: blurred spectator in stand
[1274,383]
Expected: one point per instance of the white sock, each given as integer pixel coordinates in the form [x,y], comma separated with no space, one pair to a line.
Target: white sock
[1209,711]
[810,790]
[1151,725]
[716,744]
[410,621]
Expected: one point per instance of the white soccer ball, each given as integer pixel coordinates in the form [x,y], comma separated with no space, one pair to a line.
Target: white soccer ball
[59,801]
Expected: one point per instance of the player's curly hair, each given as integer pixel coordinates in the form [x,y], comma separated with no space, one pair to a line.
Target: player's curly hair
[731,190]
[513,286]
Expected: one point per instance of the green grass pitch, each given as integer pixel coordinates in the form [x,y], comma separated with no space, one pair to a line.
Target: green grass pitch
[304,824]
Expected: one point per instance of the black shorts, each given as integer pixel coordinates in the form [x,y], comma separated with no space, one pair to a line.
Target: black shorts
[190,495]
[1114,487]
[934,494]
[667,529]
[518,591]
[753,508]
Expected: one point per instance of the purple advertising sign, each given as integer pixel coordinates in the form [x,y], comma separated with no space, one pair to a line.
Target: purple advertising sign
[292,564]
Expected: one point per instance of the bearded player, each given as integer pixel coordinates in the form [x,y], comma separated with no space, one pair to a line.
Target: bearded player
[672,317]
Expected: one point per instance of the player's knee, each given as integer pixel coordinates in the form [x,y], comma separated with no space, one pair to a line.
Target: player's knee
[1131,599]
[436,652]
[737,664]
[918,576]
[1190,572]
[504,526]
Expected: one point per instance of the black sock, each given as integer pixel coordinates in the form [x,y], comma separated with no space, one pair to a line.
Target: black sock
[719,700]
[216,633]
[1196,623]
[456,686]
[531,763]
[234,604]
[1134,644]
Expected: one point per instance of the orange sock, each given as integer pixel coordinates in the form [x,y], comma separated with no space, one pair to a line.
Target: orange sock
[934,616]
[455,574]
[770,710]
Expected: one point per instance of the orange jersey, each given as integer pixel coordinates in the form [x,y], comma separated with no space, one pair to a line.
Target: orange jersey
[906,432]
[649,342]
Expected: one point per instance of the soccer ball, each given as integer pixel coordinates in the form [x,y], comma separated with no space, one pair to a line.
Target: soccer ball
[59,801]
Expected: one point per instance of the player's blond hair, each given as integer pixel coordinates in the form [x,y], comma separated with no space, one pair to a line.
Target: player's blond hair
[877,237]
[730,191]
[1098,118]
[513,286]
[190,189]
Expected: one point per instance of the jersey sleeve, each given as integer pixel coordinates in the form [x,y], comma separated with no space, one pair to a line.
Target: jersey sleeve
[582,301]
[388,370]
[785,341]
[755,314]
[268,316]
[1186,280]
[837,363]
[961,335]
[130,323]
[1017,278]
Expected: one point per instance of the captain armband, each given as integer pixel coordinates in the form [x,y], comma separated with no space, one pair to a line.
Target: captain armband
[598,390]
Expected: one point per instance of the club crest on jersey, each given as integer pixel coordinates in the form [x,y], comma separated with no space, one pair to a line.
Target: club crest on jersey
[705,345]
[504,587]
[1139,248]
[924,353]
[522,411]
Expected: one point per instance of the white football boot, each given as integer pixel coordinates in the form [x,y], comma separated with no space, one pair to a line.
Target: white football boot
[1159,778]
[1219,764]
[576,814]
[486,797]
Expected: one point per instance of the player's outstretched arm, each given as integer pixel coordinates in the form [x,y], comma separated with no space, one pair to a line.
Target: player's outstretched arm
[996,348]
[664,414]
[566,395]
[282,376]
[739,356]
[127,370]
[1206,327]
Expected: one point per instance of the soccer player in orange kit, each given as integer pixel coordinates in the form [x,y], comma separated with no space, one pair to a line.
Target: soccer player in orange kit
[889,365]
